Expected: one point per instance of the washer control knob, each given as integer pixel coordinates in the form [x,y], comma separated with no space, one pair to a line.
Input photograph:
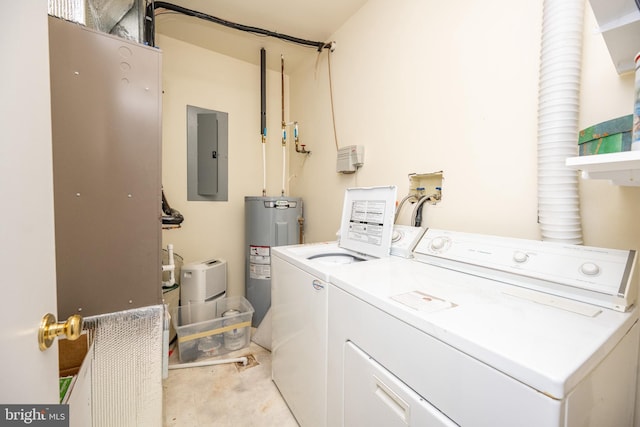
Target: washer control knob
[438,243]
[590,269]
[520,257]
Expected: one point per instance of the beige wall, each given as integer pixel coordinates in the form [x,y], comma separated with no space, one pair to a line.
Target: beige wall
[452,86]
[429,86]
[198,77]
[424,86]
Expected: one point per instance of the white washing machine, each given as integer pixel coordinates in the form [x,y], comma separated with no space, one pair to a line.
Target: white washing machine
[485,331]
[299,297]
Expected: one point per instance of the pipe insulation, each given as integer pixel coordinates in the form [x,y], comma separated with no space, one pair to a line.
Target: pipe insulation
[284,127]
[558,110]
[126,385]
[263,92]
[263,116]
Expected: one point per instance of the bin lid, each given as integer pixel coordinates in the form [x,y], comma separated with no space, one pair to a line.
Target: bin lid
[366,226]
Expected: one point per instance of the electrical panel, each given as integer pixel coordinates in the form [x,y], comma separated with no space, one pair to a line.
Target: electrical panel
[350,159]
[207,154]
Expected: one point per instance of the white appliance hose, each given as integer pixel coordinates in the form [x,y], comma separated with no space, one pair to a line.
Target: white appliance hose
[242,360]
[558,109]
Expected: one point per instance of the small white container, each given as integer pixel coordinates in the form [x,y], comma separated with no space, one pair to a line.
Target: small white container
[234,339]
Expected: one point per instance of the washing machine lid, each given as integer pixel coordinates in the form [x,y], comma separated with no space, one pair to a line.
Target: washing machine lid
[366,226]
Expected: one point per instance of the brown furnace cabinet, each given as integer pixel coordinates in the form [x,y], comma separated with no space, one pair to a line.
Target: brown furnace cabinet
[106,129]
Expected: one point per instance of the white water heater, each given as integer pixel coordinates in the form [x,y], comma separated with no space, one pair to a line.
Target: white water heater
[270,221]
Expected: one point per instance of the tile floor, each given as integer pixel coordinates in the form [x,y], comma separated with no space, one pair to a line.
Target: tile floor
[226,395]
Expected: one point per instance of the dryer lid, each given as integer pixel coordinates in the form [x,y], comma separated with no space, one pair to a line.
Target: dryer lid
[367,220]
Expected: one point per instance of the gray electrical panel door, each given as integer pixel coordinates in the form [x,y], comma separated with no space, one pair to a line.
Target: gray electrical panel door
[207,154]
[106,129]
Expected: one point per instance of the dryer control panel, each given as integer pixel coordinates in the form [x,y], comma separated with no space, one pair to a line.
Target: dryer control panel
[600,276]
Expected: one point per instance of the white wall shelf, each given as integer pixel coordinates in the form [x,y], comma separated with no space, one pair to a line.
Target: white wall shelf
[619,23]
[621,168]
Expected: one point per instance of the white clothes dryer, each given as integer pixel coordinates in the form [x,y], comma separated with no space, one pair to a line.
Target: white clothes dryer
[485,331]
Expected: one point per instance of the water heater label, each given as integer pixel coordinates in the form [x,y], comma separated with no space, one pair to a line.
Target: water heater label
[260,262]
[259,251]
[260,271]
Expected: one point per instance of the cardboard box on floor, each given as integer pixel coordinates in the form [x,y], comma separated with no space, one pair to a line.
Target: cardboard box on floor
[71,354]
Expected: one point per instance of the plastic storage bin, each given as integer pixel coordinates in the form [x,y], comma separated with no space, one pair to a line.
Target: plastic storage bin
[211,328]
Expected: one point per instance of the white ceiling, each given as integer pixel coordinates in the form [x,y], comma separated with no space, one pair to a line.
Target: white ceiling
[307,19]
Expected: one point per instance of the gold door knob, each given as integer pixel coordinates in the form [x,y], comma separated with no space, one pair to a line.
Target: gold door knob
[50,329]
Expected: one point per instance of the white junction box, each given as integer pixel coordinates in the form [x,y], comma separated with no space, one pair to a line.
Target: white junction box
[350,158]
[203,281]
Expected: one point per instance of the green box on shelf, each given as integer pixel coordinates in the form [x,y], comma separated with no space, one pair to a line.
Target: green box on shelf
[605,129]
[608,144]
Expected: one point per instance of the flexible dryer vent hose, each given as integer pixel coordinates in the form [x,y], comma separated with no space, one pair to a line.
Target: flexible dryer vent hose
[558,109]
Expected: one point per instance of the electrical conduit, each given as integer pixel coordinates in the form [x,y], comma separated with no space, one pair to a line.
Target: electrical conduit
[558,109]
